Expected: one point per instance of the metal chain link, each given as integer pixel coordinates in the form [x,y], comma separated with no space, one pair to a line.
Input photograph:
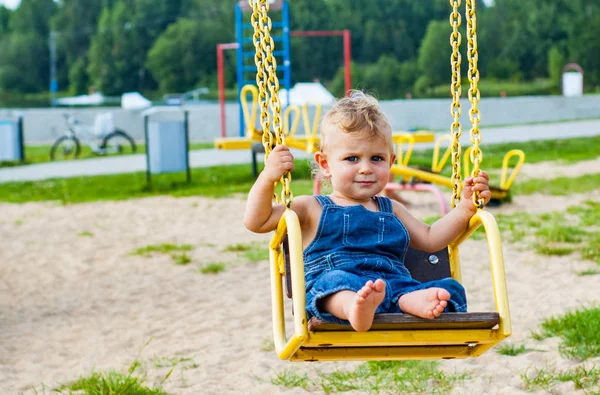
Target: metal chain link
[455,108]
[261,76]
[474,94]
[266,65]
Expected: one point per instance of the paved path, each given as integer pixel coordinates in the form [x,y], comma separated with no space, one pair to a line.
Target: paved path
[212,157]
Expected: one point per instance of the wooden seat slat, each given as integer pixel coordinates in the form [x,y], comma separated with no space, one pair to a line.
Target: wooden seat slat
[410,322]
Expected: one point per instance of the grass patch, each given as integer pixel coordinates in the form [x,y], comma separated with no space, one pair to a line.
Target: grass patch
[224,181]
[555,233]
[114,382]
[290,379]
[161,249]
[177,252]
[109,383]
[561,186]
[252,252]
[41,153]
[545,379]
[212,268]
[216,181]
[589,272]
[377,377]
[564,150]
[181,259]
[85,234]
[512,350]
[578,331]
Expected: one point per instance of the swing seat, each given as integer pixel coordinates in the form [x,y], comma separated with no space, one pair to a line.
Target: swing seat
[393,336]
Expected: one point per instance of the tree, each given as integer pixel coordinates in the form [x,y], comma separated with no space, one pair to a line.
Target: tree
[76,23]
[434,65]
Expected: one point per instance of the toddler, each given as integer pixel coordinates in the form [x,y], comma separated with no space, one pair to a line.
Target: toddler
[354,240]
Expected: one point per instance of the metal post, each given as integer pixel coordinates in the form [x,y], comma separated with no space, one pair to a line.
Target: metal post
[187,146]
[21,138]
[221,78]
[347,61]
[239,35]
[287,61]
[148,178]
[53,79]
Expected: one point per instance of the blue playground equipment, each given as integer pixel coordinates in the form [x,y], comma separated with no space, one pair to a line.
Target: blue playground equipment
[246,50]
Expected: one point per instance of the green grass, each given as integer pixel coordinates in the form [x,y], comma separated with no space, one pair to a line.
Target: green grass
[41,153]
[85,234]
[177,252]
[213,268]
[181,259]
[396,377]
[110,383]
[290,379]
[161,249]
[226,181]
[561,186]
[252,252]
[556,233]
[512,350]
[114,382]
[545,379]
[589,272]
[564,150]
[218,181]
[578,331]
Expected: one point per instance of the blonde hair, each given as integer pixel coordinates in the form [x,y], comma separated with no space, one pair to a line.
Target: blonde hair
[357,113]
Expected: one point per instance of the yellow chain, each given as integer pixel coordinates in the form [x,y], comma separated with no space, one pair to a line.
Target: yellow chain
[266,66]
[455,108]
[474,94]
[261,76]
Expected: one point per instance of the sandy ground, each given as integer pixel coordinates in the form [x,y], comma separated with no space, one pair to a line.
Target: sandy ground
[74,300]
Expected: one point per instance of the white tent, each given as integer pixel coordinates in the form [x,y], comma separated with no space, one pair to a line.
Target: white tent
[134,101]
[303,92]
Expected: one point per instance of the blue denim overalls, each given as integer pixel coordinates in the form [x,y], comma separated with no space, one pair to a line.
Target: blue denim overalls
[353,245]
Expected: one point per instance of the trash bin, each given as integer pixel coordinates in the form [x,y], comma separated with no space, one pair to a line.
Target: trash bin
[167,144]
[11,140]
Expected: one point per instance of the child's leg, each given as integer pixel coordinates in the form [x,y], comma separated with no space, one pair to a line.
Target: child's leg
[356,307]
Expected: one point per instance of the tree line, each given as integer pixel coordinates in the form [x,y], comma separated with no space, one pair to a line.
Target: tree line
[398,46]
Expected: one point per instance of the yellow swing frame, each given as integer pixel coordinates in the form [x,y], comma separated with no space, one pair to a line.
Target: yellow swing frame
[415,338]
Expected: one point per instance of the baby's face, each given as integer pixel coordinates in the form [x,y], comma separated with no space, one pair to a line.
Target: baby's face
[358,164]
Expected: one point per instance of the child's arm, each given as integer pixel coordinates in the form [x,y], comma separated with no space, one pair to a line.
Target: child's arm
[443,231]
[261,215]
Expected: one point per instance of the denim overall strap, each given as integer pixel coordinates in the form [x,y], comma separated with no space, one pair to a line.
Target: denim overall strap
[324,200]
[385,204]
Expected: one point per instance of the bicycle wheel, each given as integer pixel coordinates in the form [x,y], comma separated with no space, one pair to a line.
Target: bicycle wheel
[66,147]
[118,142]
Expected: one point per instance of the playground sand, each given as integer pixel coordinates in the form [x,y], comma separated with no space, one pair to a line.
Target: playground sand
[73,299]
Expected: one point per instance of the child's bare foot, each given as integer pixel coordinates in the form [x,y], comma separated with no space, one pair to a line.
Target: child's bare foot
[425,303]
[362,310]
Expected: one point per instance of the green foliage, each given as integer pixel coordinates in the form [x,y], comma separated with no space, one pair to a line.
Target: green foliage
[583,378]
[376,378]
[434,68]
[162,249]
[113,383]
[556,62]
[213,268]
[512,349]
[121,45]
[578,331]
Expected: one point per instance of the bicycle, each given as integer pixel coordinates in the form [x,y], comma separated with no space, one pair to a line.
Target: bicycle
[113,140]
